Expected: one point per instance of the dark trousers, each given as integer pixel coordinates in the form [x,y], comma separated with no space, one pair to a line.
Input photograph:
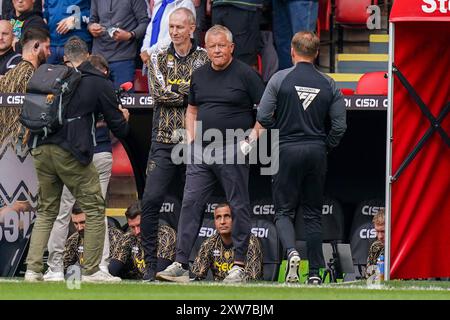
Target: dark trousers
[300,181]
[160,173]
[200,183]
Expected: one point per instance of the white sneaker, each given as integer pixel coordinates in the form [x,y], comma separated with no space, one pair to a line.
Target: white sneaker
[53,275]
[235,275]
[292,268]
[31,276]
[100,276]
[174,273]
[104,268]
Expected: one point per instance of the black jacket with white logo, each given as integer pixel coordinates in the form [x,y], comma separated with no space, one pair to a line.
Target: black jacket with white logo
[297,102]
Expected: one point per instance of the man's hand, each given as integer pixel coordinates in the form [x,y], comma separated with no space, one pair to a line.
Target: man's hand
[65,25]
[96,30]
[145,57]
[246,146]
[125,113]
[122,35]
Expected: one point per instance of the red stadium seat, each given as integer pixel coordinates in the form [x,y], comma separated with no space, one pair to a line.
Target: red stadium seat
[140,82]
[323,19]
[347,91]
[348,14]
[374,83]
[121,163]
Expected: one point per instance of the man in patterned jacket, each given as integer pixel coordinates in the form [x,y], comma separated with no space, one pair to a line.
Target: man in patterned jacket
[377,248]
[128,262]
[170,72]
[74,248]
[217,254]
[36,49]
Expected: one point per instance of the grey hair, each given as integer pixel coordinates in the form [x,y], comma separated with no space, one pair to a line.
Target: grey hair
[216,29]
[188,12]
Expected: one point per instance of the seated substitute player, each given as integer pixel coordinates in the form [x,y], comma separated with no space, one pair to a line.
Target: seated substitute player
[73,251]
[129,261]
[217,254]
[377,248]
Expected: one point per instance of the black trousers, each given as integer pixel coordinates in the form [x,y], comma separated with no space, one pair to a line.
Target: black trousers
[300,181]
[160,173]
[200,183]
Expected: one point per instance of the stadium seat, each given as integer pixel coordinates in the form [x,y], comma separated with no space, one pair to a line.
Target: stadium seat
[266,232]
[140,82]
[211,204]
[362,233]
[373,83]
[114,223]
[262,209]
[206,231]
[347,91]
[121,163]
[332,221]
[362,237]
[365,211]
[348,14]
[170,211]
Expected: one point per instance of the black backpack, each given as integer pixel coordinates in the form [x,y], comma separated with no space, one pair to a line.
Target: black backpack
[48,93]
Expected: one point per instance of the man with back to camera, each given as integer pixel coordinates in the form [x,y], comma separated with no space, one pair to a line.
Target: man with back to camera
[216,253]
[297,102]
[222,96]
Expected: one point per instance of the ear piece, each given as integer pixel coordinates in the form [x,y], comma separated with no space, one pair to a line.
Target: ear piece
[36,45]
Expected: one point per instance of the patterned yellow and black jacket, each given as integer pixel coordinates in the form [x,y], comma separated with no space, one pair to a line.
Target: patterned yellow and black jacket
[74,249]
[14,81]
[131,252]
[375,250]
[214,255]
[169,81]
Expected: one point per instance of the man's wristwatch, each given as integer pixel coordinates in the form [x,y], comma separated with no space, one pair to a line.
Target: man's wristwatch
[133,35]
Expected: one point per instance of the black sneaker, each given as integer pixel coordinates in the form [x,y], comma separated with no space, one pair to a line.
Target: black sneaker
[149,275]
[314,280]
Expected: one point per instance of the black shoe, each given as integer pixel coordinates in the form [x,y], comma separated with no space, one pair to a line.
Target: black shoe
[149,275]
[314,280]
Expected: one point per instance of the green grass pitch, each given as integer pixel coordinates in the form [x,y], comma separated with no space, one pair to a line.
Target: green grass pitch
[129,290]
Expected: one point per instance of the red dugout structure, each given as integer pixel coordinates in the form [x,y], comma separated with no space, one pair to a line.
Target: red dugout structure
[418,147]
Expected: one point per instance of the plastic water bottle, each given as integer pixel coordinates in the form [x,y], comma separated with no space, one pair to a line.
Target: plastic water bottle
[380,265]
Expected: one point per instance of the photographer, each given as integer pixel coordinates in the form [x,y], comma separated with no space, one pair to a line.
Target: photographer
[117,26]
[65,158]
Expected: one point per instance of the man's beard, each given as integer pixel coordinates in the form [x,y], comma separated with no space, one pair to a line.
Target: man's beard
[41,57]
